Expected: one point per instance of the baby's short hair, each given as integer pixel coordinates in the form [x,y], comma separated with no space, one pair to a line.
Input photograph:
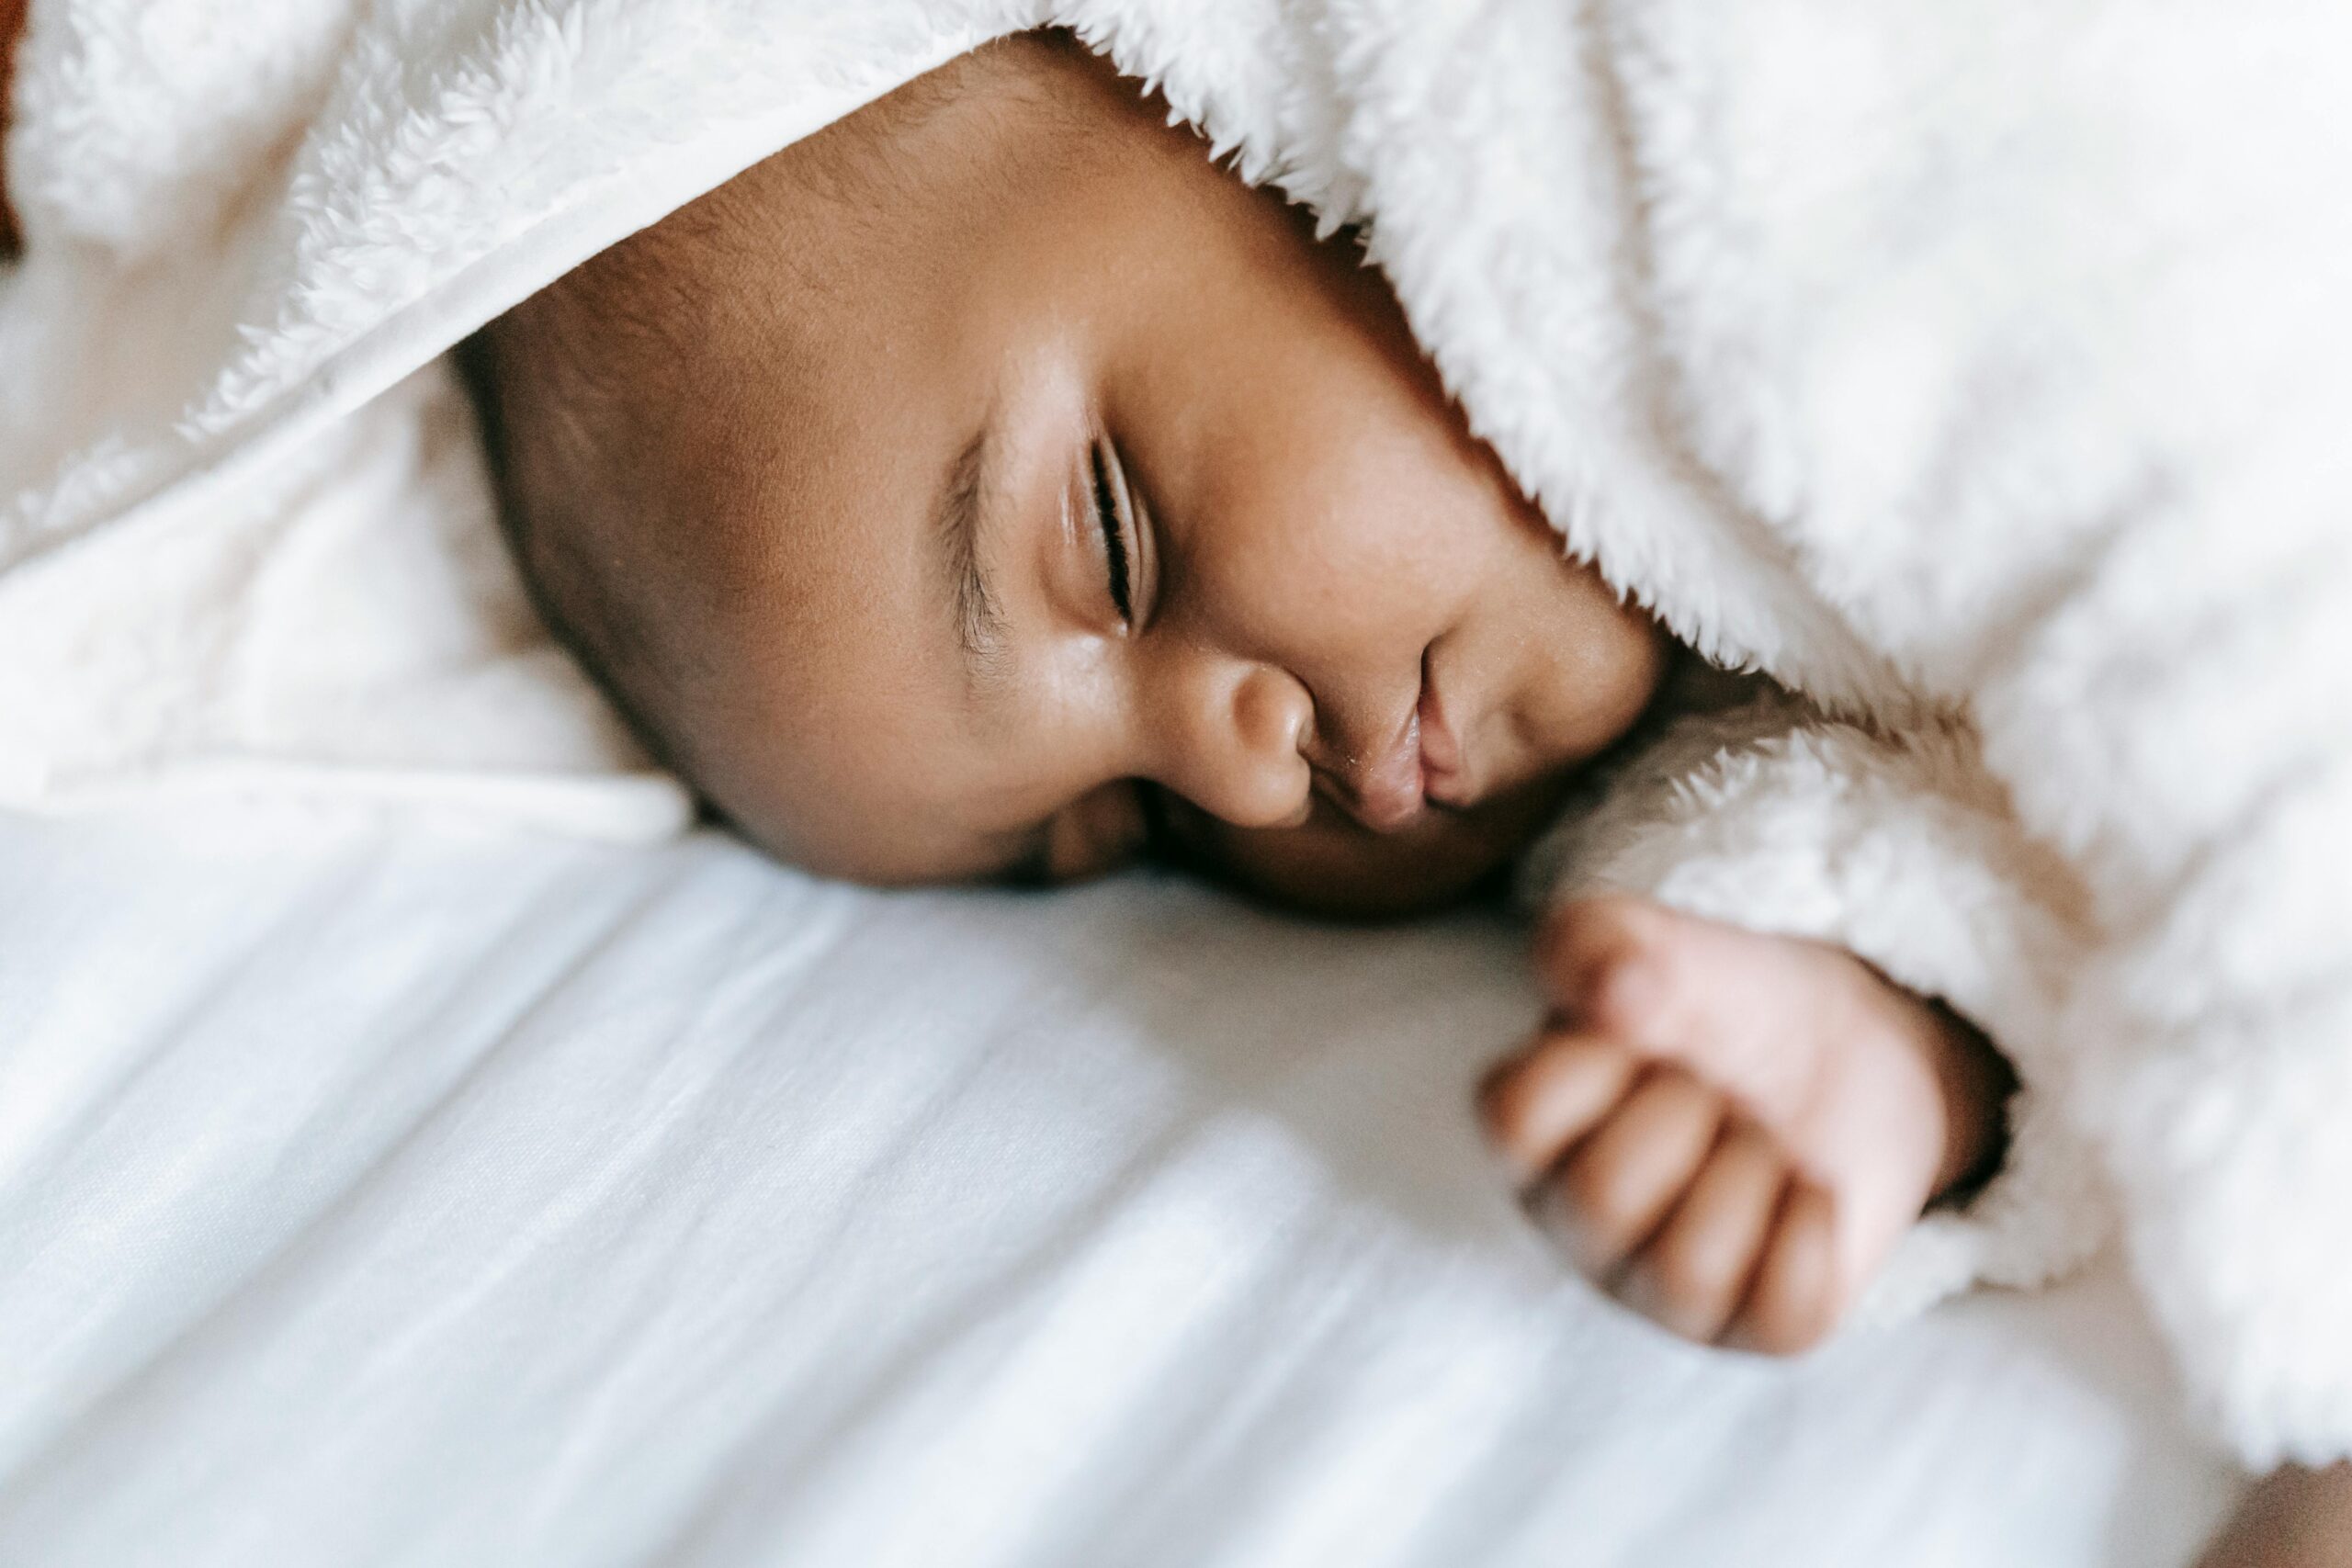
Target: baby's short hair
[605,410]
[562,386]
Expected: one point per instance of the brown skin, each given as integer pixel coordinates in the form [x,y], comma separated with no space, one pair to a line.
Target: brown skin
[12,27]
[1317,552]
[2293,1519]
[1731,1131]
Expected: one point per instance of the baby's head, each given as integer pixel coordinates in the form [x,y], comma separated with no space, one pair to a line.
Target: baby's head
[993,486]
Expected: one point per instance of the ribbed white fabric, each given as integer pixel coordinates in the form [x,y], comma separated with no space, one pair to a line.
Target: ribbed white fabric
[409,1197]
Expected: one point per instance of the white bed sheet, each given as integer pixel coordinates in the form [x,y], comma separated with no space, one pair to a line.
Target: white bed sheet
[373,1193]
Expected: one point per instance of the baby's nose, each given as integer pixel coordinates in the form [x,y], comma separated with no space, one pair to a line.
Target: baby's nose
[1245,762]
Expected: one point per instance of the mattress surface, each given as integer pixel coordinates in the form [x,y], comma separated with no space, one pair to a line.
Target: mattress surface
[382,1192]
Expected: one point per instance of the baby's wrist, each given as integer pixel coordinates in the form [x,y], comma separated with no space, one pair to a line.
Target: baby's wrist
[1977,1082]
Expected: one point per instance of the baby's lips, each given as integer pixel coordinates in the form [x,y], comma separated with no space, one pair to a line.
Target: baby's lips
[1445,771]
[1387,793]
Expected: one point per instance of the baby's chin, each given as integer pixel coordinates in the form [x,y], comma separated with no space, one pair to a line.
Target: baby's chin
[1332,866]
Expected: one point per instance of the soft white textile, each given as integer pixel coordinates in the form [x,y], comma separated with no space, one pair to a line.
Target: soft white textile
[378,1195]
[1755,811]
[1979,372]
[2015,334]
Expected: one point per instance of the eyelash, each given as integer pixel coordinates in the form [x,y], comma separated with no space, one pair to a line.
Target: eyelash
[1115,539]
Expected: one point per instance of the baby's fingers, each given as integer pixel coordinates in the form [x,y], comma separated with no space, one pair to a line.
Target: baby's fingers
[1791,1303]
[1615,1186]
[1692,1276]
[1536,1107]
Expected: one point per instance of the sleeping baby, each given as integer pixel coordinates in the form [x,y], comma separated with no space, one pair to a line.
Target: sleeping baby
[991,487]
[1844,506]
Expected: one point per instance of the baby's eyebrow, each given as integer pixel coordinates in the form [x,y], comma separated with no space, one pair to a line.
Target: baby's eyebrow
[958,516]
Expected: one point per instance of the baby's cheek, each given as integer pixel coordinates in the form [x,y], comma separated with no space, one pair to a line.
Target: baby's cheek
[1099,833]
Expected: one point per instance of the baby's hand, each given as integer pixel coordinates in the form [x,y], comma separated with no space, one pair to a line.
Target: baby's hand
[1730,1130]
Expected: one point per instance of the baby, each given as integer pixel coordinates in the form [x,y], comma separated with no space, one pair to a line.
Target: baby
[990,487]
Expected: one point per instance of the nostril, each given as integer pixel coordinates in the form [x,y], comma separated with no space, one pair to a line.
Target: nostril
[1272,713]
[1280,794]
[1239,755]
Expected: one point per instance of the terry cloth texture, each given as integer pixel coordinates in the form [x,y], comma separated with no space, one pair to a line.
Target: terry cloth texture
[1977,374]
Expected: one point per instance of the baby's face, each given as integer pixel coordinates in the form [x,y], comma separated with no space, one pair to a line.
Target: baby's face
[1049,489]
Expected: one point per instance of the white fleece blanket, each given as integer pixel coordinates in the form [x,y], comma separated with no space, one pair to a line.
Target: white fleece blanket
[1977,372]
